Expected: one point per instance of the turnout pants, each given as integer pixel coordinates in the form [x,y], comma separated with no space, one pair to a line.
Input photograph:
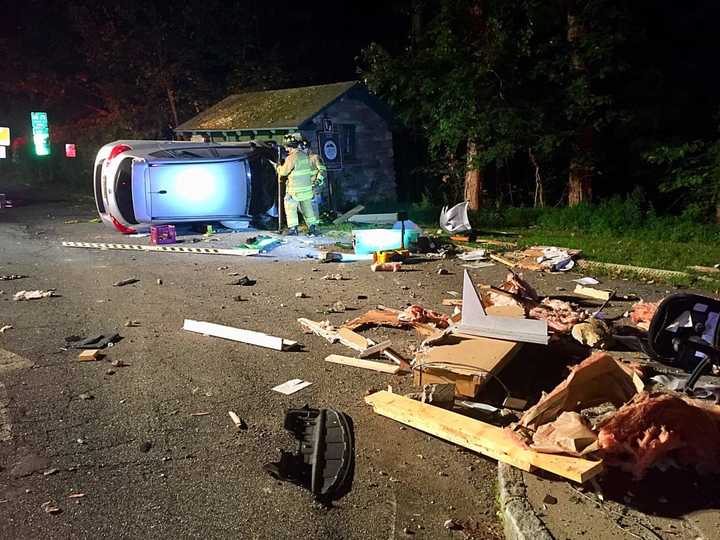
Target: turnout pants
[306,207]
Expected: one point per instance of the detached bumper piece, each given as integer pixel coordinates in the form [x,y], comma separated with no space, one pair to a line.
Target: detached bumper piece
[325,458]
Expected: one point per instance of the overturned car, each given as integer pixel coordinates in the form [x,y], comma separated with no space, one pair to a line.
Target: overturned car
[143,183]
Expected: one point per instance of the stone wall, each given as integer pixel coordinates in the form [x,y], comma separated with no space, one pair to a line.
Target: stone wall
[370,176]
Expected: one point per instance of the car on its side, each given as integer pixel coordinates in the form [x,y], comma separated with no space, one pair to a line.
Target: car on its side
[143,183]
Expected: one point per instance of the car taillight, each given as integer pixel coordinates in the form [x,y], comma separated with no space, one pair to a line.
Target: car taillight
[122,228]
[118,149]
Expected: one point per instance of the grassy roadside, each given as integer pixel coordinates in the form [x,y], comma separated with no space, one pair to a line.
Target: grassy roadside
[651,253]
[621,231]
[647,253]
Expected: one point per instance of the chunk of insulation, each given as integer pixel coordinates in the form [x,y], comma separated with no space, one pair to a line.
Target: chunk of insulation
[653,426]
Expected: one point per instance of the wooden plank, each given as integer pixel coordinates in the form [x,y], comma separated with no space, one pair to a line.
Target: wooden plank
[502,260]
[489,440]
[452,302]
[364,364]
[398,358]
[495,242]
[374,218]
[237,334]
[88,355]
[347,215]
[350,336]
[375,349]
[597,294]
[334,336]
[330,334]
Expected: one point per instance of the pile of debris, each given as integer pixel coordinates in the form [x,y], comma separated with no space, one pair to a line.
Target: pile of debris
[601,415]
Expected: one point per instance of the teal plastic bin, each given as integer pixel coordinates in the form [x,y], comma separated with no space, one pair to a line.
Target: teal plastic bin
[372,240]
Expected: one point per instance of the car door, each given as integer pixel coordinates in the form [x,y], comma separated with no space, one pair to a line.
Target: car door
[192,190]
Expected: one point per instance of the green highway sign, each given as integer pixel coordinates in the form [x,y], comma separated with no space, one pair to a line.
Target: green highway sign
[41,133]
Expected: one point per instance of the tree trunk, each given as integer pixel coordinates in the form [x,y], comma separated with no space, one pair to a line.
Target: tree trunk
[539,199]
[580,184]
[580,180]
[580,176]
[173,108]
[473,178]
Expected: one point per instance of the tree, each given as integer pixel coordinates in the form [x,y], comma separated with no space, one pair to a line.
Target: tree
[691,172]
[500,83]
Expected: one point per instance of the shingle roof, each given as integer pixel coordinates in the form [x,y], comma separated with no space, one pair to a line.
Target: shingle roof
[287,108]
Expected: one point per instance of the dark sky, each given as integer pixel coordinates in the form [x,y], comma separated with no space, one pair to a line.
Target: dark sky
[323,33]
[67,57]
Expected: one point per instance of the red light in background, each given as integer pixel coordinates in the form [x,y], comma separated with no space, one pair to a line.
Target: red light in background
[70,151]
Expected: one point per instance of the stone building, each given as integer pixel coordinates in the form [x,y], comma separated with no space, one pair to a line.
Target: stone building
[344,122]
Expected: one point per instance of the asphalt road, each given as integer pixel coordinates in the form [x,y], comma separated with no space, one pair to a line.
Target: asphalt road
[146,466]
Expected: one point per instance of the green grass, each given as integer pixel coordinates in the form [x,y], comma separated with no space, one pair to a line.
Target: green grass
[622,231]
[651,253]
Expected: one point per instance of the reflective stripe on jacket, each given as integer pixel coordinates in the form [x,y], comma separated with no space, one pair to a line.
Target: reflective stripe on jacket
[301,172]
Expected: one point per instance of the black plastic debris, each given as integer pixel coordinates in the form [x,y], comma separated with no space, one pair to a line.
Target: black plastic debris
[94,342]
[324,461]
[684,332]
[244,281]
[128,281]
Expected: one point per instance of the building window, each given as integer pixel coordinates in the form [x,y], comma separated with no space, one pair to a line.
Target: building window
[347,141]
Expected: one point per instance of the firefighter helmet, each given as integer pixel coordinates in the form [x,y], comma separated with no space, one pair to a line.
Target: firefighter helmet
[293,140]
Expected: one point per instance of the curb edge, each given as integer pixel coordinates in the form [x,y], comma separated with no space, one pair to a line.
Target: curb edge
[519,519]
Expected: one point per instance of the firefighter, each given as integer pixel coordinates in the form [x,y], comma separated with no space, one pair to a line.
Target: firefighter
[305,173]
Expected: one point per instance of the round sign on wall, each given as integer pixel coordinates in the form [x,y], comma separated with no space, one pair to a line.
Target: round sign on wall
[330,150]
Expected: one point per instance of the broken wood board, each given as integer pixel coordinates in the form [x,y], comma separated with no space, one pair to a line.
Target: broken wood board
[347,215]
[238,334]
[384,316]
[489,241]
[466,361]
[398,358]
[374,349]
[497,443]
[502,260]
[347,336]
[589,292]
[364,364]
[88,355]
[527,259]
[343,335]
[291,386]
[374,218]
